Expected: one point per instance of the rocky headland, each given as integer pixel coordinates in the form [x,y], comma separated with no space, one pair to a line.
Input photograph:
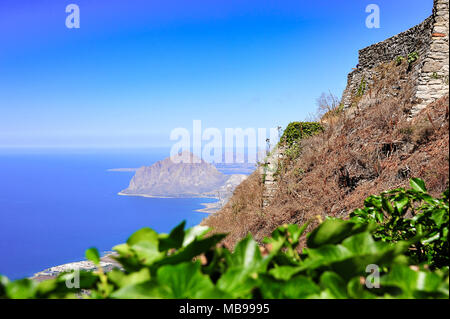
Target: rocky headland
[188,177]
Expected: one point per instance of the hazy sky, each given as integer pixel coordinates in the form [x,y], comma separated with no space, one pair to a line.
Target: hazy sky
[137,69]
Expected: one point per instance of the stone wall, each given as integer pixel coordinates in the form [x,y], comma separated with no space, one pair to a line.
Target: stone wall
[417,39]
[429,39]
[434,77]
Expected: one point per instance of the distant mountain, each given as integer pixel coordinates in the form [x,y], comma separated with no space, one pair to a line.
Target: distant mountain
[192,177]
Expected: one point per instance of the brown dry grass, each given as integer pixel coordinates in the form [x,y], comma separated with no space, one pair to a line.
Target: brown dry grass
[366,150]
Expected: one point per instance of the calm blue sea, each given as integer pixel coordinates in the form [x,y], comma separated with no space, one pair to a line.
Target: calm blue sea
[55,204]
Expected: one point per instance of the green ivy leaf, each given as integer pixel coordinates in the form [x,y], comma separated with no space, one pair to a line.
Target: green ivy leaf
[387,206]
[410,280]
[295,231]
[246,254]
[439,216]
[185,280]
[299,287]
[238,282]
[121,279]
[244,265]
[174,239]
[284,272]
[193,233]
[145,243]
[21,289]
[144,290]
[356,290]
[401,203]
[418,185]
[334,284]
[373,201]
[333,231]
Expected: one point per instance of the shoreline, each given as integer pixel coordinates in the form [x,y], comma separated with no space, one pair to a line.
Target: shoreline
[107,262]
[158,196]
[208,208]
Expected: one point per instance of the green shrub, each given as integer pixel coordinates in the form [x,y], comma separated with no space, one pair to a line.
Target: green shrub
[362,87]
[435,76]
[335,263]
[293,152]
[296,131]
[427,220]
[412,57]
[399,60]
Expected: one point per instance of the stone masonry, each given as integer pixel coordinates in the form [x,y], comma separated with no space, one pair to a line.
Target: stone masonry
[267,171]
[429,40]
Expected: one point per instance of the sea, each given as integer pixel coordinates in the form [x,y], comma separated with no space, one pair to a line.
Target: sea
[56,203]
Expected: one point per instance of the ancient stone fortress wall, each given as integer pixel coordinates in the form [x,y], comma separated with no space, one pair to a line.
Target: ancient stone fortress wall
[429,40]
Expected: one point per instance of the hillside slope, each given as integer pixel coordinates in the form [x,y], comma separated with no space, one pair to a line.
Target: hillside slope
[371,147]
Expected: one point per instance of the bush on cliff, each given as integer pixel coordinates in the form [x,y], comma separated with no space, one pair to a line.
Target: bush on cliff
[296,131]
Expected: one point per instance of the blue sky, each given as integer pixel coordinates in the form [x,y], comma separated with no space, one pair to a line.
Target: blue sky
[137,69]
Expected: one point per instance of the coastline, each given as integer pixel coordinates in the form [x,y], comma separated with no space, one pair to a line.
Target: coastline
[160,196]
[107,262]
[209,208]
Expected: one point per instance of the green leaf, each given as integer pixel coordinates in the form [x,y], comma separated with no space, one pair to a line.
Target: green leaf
[379,216]
[439,216]
[185,280]
[373,201]
[3,282]
[145,243]
[334,284]
[400,203]
[121,279]
[418,185]
[387,206]
[174,239]
[333,231]
[193,233]
[244,264]
[123,250]
[351,257]
[411,281]
[47,287]
[363,244]
[295,232]
[87,279]
[238,282]
[431,238]
[356,290]
[284,272]
[144,290]
[93,255]
[21,289]
[323,256]
[246,254]
[299,287]
[143,235]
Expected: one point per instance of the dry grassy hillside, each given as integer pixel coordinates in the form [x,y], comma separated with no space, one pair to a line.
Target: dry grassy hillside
[372,147]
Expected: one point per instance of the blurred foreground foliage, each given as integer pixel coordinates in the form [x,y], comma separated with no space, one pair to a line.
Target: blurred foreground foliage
[401,234]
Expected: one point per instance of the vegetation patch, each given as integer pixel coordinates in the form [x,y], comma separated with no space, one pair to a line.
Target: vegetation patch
[361,87]
[296,131]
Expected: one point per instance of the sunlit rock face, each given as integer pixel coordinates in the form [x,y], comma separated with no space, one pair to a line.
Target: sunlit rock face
[185,176]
